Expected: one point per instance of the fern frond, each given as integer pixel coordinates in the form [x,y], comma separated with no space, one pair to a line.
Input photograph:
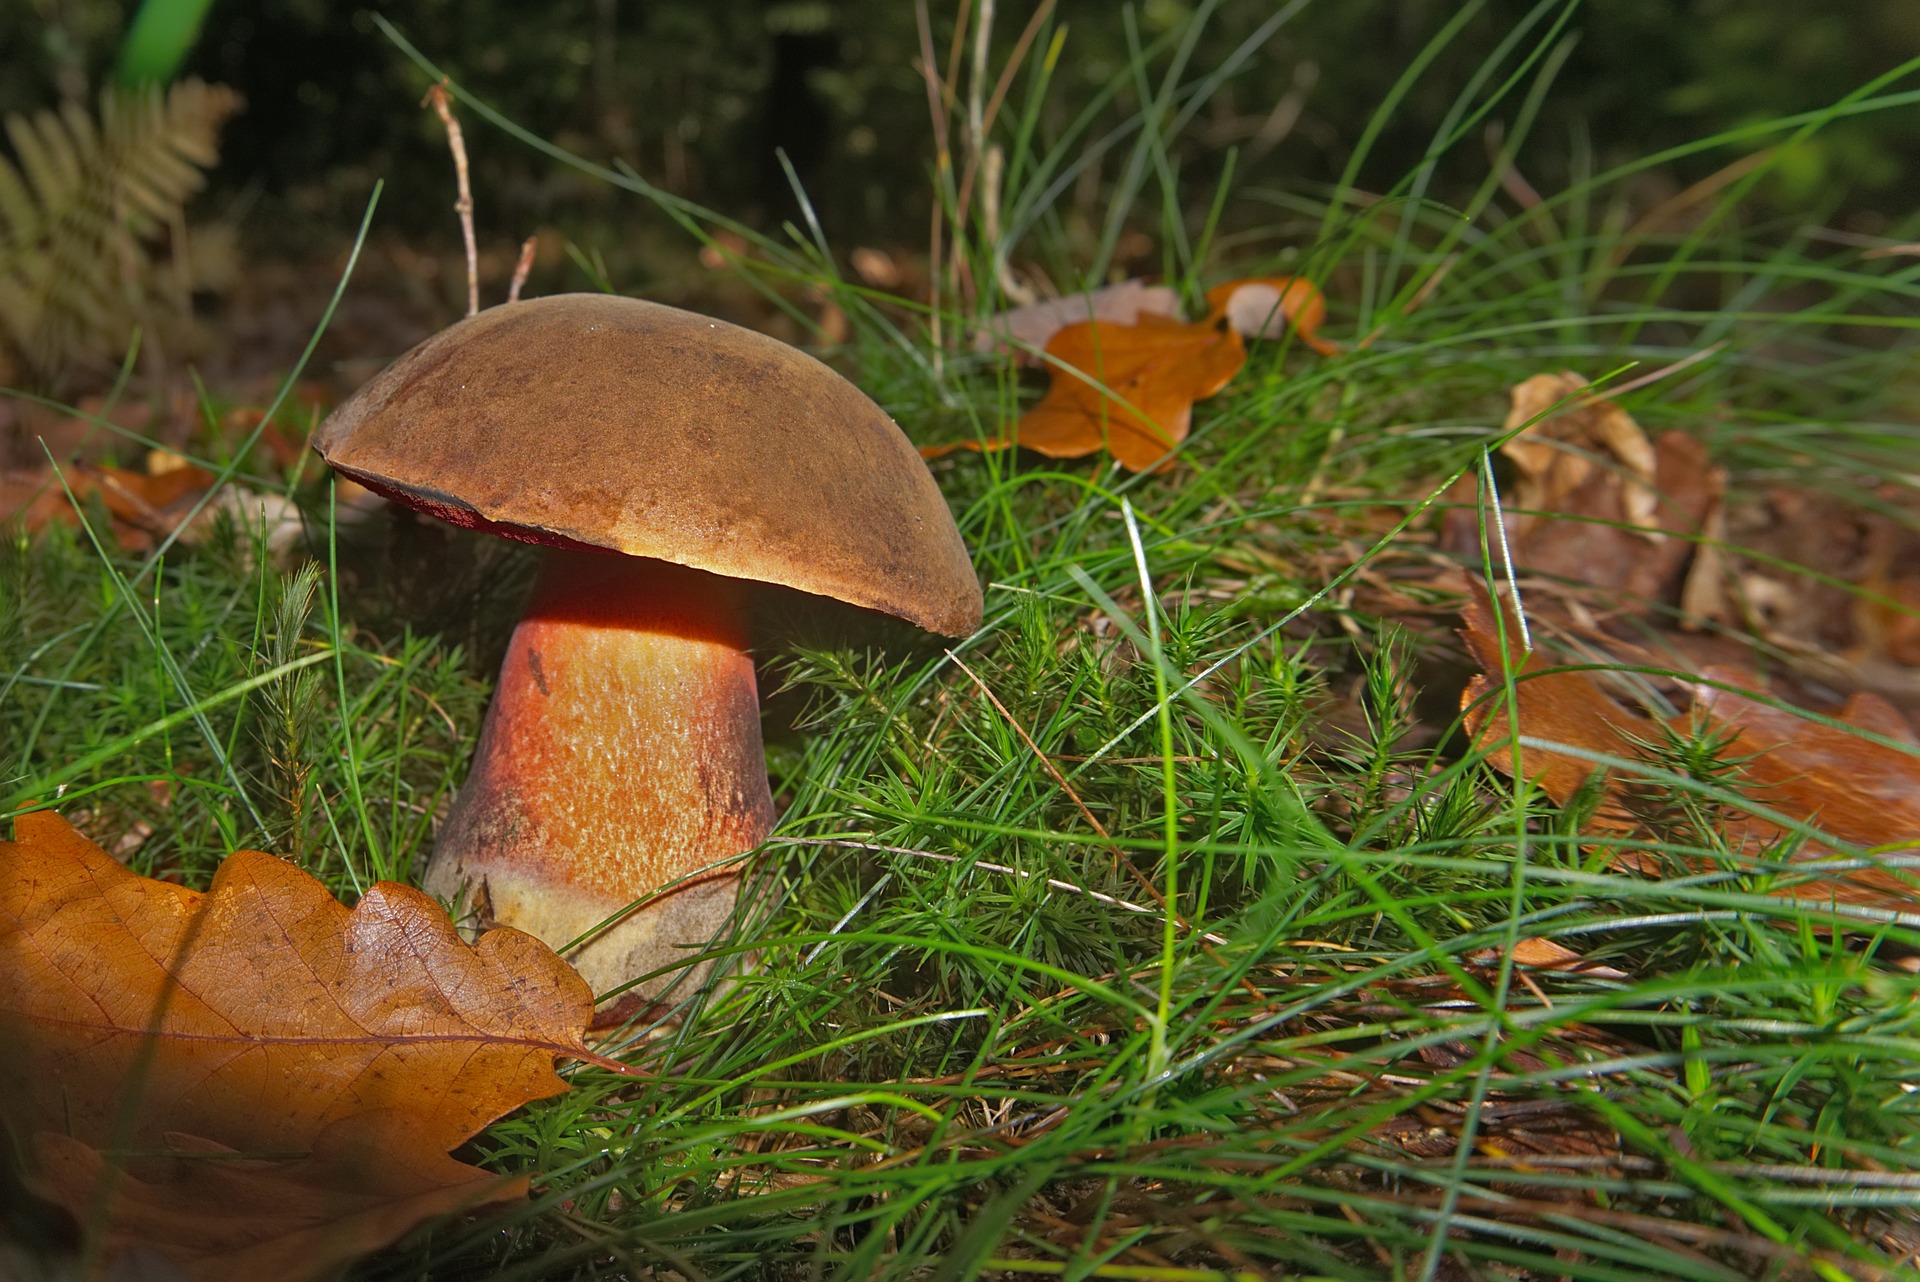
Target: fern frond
[80,203]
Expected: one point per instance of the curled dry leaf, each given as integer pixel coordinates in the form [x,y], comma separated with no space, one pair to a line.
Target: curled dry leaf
[260,1017]
[1832,581]
[1594,501]
[1559,455]
[1255,307]
[1566,708]
[1269,306]
[1544,954]
[144,506]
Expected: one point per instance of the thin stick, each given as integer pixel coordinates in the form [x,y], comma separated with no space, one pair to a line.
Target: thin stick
[944,161]
[977,156]
[521,268]
[977,82]
[440,100]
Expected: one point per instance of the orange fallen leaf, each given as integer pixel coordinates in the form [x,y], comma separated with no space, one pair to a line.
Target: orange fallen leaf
[1891,625]
[33,499]
[216,1214]
[143,506]
[1148,375]
[1545,954]
[1140,368]
[1133,394]
[265,1018]
[1269,306]
[148,501]
[1537,953]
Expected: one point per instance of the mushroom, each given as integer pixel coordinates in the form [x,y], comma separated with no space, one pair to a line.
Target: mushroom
[667,461]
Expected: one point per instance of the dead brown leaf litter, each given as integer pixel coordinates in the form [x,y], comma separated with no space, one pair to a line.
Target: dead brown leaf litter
[255,1077]
[1595,501]
[1626,542]
[1620,531]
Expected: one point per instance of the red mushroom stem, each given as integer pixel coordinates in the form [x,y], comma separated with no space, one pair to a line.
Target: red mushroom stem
[621,756]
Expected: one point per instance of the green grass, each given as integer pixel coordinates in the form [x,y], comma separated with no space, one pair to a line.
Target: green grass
[1157,931]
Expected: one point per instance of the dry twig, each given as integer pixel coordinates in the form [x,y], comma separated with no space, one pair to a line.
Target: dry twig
[440,100]
[521,268]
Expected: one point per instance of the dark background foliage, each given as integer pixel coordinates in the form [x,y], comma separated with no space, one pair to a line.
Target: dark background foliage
[698,96]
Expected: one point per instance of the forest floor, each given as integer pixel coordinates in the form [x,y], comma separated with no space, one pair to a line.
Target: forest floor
[1452,819]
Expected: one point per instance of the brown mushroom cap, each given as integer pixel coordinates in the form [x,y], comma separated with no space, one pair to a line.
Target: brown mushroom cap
[595,421]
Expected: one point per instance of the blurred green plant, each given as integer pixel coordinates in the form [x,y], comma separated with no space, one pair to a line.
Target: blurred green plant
[160,39]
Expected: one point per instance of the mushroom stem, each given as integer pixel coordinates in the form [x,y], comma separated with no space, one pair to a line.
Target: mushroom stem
[621,757]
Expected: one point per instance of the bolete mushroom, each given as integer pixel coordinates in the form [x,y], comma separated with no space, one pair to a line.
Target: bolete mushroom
[667,461]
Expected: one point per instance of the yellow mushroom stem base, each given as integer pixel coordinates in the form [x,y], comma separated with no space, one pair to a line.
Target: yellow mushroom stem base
[619,774]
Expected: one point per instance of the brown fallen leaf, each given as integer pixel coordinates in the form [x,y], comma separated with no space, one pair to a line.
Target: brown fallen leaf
[1134,395]
[1141,368]
[1823,575]
[1552,472]
[1887,617]
[33,499]
[1269,306]
[1566,708]
[1544,954]
[144,506]
[262,1017]
[1862,793]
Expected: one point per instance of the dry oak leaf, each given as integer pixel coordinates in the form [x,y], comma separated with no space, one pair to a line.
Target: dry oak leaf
[212,1213]
[1128,389]
[1594,428]
[144,506]
[1537,953]
[1594,500]
[1862,793]
[1139,367]
[1269,306]
[262,1017]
